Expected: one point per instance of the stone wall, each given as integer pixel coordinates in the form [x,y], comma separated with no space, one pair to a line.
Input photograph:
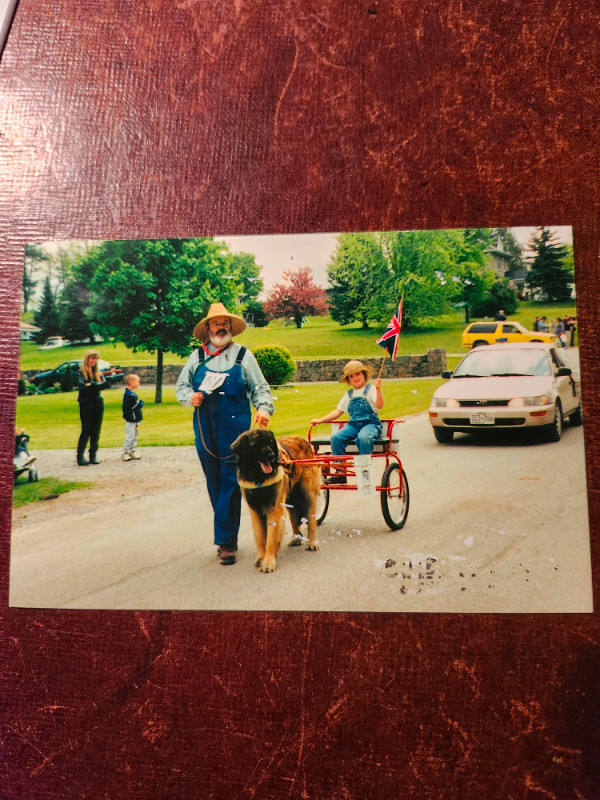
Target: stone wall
[327,369]
[420,366]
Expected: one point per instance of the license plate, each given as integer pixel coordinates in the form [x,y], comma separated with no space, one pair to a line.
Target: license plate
[482,418]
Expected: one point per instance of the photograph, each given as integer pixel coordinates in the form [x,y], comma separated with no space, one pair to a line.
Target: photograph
[381,421]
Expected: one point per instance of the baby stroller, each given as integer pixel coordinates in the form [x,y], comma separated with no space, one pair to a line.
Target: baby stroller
[23,462]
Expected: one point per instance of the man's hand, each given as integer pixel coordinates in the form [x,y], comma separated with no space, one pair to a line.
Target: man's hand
[197,399]
[261,419]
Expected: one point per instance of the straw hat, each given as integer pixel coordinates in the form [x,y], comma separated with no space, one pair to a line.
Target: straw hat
[218,310]
[356,366]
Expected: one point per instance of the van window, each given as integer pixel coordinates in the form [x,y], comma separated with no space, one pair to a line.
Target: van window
[483,327]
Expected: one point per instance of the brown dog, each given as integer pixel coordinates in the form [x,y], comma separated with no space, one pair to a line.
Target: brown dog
[270,487]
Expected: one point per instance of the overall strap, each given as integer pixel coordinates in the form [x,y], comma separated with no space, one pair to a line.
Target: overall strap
[240,355]
[366,389]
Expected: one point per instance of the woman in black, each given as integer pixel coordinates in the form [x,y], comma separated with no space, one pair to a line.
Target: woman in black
[91,407]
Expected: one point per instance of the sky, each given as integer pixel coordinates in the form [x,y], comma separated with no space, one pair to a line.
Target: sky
[275,254]
[289,251]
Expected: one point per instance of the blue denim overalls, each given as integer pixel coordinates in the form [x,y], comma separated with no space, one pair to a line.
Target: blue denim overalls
[224,415]
[363,428]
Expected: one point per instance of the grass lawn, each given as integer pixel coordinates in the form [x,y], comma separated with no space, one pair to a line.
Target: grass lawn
[44,489]
[52,420]
[320,337]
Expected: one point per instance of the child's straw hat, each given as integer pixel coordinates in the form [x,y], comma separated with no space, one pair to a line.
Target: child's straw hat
[356,366]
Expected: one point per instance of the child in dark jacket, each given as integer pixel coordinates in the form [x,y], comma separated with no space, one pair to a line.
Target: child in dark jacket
[132,414]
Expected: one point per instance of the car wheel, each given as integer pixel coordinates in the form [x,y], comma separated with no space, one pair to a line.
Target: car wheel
[479,342]
[443,435]
[576,417]
[555,430]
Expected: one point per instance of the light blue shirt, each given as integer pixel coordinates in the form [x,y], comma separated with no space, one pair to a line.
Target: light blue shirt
[259,392]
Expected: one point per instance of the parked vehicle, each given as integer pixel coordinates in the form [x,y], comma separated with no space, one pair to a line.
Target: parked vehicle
[54,341]
[506,387]
[480,333]
[44,380]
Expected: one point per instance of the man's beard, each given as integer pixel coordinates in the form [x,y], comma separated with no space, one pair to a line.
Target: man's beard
[221,338]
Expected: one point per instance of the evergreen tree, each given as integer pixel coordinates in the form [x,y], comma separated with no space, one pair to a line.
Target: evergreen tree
[73,305]
[33,257]
[548,273]
[47,316]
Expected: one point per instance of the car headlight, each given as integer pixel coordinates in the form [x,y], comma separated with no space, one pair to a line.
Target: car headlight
[519,402]
[445,402]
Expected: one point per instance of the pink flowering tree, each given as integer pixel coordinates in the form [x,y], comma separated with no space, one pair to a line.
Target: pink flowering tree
[296,298]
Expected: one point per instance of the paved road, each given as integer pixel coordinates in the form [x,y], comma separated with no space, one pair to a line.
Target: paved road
[494,526]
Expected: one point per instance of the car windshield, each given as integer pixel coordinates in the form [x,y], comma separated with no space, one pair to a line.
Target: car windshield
[485,363]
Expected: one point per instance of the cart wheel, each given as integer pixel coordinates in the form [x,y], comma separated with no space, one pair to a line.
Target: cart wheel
[33,476]
[394,498]
[322,505]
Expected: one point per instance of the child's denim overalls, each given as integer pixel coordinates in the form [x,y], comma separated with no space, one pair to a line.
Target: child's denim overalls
[363,428]
[224,415]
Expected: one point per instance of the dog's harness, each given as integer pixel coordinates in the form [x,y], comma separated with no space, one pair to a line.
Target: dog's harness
[261,484]
[285,458]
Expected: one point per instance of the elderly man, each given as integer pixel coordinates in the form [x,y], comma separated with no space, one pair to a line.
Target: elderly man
[219,380]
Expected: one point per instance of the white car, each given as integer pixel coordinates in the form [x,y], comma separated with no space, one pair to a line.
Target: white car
[507,386]
[54,341]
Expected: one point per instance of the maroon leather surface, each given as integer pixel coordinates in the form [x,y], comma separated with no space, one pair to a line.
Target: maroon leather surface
[131,118]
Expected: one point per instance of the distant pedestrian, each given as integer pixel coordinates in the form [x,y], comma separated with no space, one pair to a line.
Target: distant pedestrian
[559,331]
[90,382]
[536,324]
[132,414]
[543,326]
[500,316]
[569,324]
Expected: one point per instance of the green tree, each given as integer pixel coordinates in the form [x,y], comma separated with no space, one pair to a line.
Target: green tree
[256,313]
[246,274]
[47,317]
[470,278]
[73,309]
[150,294]
[548,273]
[423,268]
[431,269]
[356,271]
[500,295]
[34,256]
[297,298]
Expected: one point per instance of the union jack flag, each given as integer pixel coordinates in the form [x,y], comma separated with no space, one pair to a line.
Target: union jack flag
[391,336]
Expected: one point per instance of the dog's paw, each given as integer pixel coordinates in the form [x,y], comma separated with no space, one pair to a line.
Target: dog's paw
[258,562]
[295,541]
[268,564]
[312,546]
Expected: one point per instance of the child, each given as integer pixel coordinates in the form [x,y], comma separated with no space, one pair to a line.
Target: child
[362,402]
[132,414]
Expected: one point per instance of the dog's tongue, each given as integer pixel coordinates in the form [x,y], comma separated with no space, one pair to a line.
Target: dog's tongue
[266,467]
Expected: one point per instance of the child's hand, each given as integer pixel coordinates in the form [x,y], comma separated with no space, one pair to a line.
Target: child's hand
[315,422]
[378,383]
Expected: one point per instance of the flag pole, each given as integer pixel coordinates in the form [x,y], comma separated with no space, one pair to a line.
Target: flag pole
[381,366]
